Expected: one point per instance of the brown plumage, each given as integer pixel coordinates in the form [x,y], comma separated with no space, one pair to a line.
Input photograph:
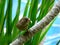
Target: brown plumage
[23,24]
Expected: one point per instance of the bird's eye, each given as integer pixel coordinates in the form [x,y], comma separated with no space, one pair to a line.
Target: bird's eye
[26,19]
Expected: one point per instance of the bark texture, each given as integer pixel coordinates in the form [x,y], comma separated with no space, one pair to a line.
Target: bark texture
[40,25]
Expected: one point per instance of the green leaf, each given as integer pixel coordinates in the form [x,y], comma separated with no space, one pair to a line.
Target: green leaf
[33,12]
[17,14]
[26,9]
[2,14]
[15,30]
[9,17]
[45,8]
[9,22]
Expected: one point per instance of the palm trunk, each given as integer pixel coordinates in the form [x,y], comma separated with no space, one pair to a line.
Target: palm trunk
[39,26]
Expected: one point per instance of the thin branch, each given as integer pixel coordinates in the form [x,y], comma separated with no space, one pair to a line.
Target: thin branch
[40,25]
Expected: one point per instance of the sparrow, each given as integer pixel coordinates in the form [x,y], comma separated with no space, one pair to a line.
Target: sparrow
[23,23]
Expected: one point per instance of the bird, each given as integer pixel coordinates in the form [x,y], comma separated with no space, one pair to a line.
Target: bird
[23,23]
